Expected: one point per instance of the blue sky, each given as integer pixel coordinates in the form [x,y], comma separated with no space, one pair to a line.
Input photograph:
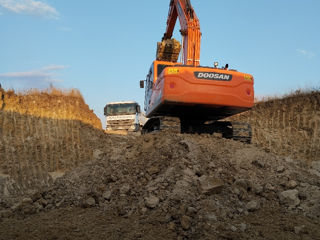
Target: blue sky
[103,48]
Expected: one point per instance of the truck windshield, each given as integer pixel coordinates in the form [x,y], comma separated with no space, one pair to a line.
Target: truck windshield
[121,109]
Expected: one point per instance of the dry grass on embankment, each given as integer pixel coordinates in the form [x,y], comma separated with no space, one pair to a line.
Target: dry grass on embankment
[51,103]
[288,126]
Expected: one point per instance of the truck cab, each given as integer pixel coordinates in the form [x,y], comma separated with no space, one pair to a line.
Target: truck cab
[123,116]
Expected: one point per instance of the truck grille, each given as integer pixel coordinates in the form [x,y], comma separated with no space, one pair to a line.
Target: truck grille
[120,124]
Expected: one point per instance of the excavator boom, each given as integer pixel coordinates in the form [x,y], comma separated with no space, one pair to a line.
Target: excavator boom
[190,30]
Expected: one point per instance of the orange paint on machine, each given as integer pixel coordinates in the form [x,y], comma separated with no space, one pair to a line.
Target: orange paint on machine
[193,93]
[204,87]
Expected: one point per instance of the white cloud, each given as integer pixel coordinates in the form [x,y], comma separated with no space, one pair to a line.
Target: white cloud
[305,53]
[30,7]
[35,78]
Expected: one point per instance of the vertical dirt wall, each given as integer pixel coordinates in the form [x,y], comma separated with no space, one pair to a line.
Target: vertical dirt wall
[289,126]
[55,104]
[42,134]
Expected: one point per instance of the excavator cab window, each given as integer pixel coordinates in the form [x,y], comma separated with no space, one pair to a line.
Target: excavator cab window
[148,88]
[150,78]
[160,68]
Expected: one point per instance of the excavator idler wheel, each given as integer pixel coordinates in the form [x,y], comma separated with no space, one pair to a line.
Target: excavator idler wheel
[163,124]
[152,125]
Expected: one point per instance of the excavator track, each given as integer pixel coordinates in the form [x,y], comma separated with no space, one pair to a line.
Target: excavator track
[237,131]
[167,124]
[241,132]
[171,124]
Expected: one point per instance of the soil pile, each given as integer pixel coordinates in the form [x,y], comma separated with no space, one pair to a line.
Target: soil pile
[168,50]
[173,186]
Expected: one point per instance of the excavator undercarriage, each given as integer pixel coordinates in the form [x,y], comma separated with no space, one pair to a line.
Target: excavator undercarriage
[231,130]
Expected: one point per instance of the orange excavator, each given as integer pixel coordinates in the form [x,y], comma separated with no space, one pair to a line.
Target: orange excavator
[190,97]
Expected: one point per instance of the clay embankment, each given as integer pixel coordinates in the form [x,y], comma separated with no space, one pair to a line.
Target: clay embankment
[43,133]
[288,126]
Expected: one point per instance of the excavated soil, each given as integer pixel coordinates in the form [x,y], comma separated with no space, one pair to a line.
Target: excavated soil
[165,186]
[154,186]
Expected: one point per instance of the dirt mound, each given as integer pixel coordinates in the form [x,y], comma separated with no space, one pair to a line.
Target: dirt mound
[168,50]
[176,187]
[288,126]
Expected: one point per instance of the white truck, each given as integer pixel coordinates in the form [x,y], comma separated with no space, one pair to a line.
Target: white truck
[123,116]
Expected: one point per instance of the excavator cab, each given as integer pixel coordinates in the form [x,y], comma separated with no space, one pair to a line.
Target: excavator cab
[154,72]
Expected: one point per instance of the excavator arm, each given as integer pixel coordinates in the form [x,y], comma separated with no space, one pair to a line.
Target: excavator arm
[190,30]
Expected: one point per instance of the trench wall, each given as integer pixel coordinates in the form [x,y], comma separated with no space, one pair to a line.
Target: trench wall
[42,134]
[289,126]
